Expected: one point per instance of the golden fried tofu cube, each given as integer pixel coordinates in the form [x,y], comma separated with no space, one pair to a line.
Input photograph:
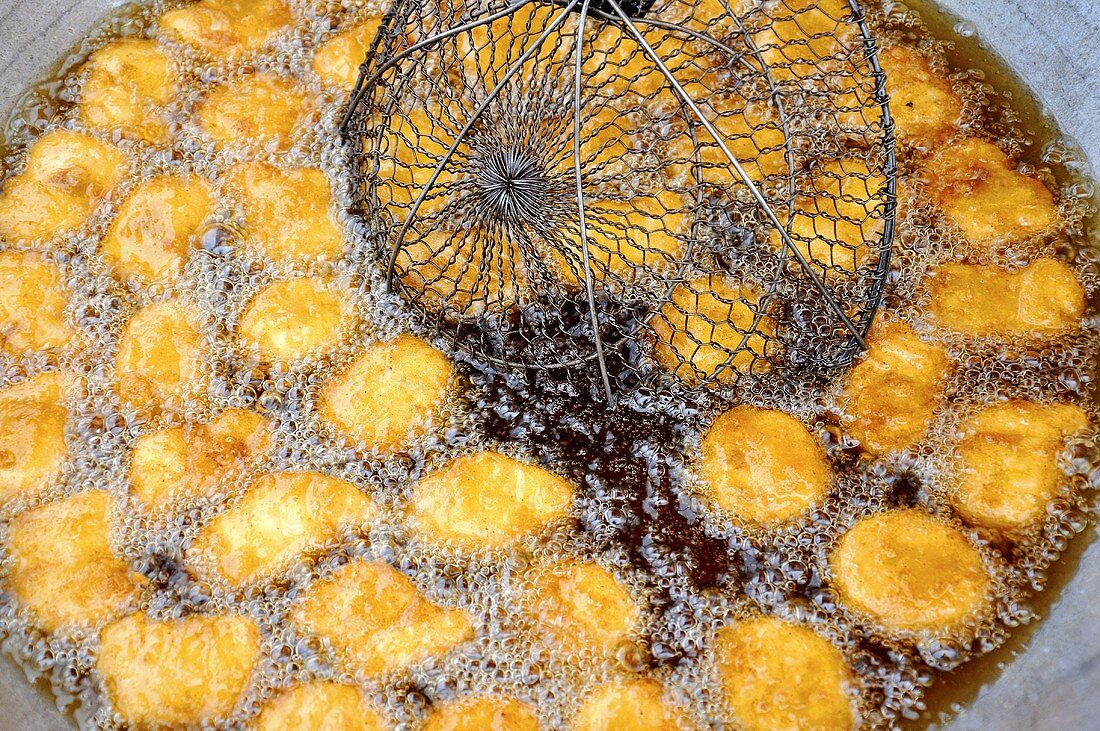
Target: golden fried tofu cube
[631,705]
[980,190]
[161,356]
[711,330]
[1008,462]
[177,673]
[32,304]
[488,500]
[839,227]
[157,226]
[802,35]
[288,214]
[188,460]
[227,29]
[582,606]
[319,706]
[908,571]
[379,620]
[762,465]
[66,177]
[260,110]
[482,713]
[894,391]
[282,516]
[63,568]
[295,319]
[412,149]
[338,59]
[389,394]
[128,85]
[751,131]
[924,105]
[1041,298]
[32,434]
[777,674]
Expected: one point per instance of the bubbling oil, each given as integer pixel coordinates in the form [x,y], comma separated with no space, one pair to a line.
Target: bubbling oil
[639,510]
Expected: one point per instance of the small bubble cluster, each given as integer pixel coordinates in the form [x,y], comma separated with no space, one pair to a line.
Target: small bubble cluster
[640,514]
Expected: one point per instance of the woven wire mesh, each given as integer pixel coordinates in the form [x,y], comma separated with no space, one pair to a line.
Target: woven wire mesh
[472,173]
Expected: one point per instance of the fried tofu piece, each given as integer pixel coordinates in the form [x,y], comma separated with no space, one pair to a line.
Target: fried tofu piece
[839,227]
[980,190]
[413,147]
[282,516]
[1008,463]
[189,460]
[482,713]
[488,500]
[389,394]
[379,620]
[63,568]
[801,36]
[583,606]
[644,233]
[776,674]
[177,673]
[129,83]
[319,706]
[32,304]
[157,227]
[709,332]
[295,319]
[762,465]
[32,434]
[632,705]
[338,59]
[288,214]
[260,109]
[893,392]
[66,177]
[749,129]
[227,29]
[1041,298]
[161,355]
[924,105]
[909,572]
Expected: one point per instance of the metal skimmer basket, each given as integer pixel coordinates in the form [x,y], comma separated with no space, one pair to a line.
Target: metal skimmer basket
[661,192]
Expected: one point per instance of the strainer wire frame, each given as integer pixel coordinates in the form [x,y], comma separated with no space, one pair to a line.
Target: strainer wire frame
[858,333]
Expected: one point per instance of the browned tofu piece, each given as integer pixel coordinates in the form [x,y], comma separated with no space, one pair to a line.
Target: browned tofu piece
[157,227]
[893,392]
[32,304]
[379,620]
[1008,462]
[319,706]
[259,110]
[709,332]
[583,607]
[67,176]
[227,29]
[287,214]
[802,35]
[63,568]
[630,705]
[907,571]
[189,460]
[338,59]
[779,675]
[980,190]
[295,319]
[924,105]
[161,356]
[282,516]
[33,417]
[482,713]
[177,673]
[1041,298]
[487,500]
[129,83]
[762,465]
[389,394]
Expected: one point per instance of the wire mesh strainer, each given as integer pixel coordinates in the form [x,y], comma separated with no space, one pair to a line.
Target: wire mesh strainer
[641,191]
